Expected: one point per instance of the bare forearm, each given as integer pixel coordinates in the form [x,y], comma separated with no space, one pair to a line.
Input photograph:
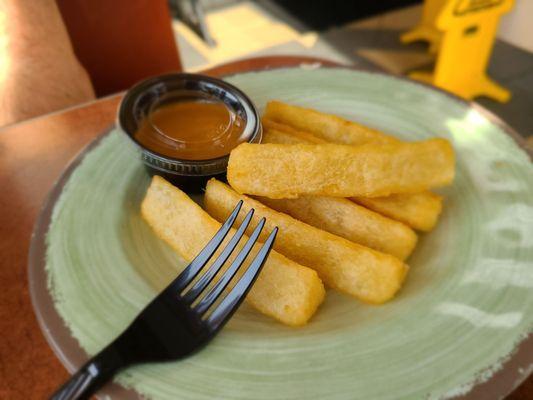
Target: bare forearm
[29,22]
[39,72]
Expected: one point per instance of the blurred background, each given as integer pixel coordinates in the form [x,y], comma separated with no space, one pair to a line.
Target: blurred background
[123,41]
[361,33]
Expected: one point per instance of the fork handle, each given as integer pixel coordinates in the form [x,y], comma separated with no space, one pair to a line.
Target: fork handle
[92,376]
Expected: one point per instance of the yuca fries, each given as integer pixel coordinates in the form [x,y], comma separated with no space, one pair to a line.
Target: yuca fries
[284,290]
[418,210]
[326,126]
[350,221]
[280,133]
[371,170]
[367,274]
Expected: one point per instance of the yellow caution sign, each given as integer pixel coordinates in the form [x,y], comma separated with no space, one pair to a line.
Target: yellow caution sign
[427,30]
[468,28]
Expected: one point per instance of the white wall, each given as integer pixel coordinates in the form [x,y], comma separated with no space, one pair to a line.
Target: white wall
[516,27]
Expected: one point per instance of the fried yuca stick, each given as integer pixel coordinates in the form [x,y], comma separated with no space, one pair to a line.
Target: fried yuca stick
[341,216]
[284,290]
[326,126]
[367,274]
[344,218]
[289,170]
[420,211]
[280,133]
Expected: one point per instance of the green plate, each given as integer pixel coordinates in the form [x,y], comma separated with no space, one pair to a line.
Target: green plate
[466,305]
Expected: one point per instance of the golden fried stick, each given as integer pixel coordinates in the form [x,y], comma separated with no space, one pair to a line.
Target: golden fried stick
[285,290]
[420,211]
[371,170]
[357,224]
[367,274]
[275,132]
[326,126]
[344,218]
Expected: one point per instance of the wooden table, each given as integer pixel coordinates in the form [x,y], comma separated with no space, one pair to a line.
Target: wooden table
[32,156]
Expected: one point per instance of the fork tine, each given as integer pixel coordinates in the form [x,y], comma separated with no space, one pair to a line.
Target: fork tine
[203,257]
[206,278]
[215,291]
[234,298]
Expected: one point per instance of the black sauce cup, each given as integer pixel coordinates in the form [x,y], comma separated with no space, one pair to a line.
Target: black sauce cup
[140,100]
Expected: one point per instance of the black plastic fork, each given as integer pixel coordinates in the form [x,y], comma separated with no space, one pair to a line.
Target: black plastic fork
[175,324]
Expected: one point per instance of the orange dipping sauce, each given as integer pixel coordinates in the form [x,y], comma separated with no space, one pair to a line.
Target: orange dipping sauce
[191,130]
